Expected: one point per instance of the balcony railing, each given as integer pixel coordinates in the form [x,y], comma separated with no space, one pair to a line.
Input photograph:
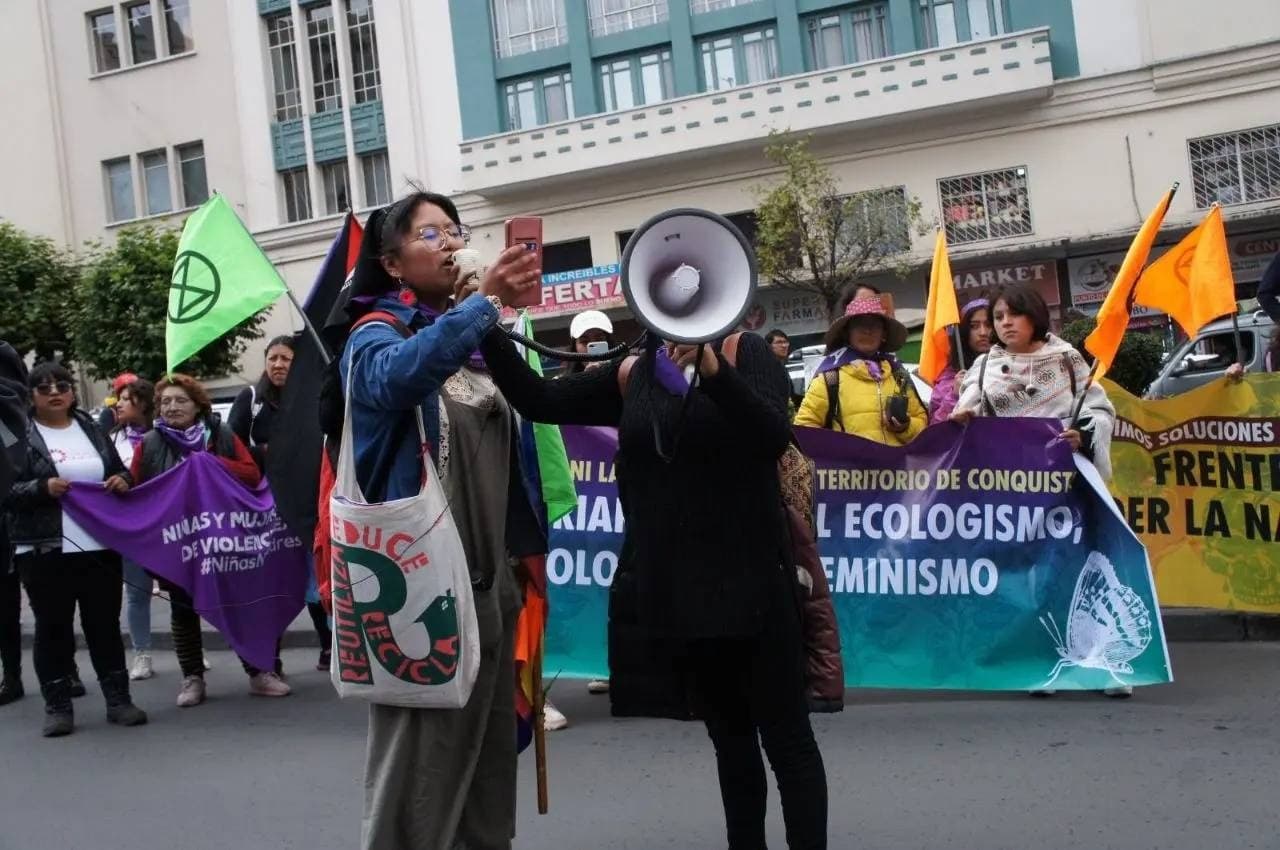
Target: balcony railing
[973,75]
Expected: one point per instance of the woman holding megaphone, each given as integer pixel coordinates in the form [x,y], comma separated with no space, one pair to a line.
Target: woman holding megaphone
[700,582]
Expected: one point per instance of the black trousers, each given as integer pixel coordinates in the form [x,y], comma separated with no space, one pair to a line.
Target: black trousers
[10,628]
[56,582]
[750,691]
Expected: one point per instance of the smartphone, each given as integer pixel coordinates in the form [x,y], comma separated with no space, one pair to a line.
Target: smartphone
[527,231]
[597,348]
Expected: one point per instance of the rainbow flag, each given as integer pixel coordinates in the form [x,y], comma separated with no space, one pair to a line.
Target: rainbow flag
[550,485]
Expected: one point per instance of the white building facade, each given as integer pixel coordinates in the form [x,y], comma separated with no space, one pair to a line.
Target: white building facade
[1037,132]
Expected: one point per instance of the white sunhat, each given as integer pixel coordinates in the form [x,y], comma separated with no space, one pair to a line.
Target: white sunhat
[589,320]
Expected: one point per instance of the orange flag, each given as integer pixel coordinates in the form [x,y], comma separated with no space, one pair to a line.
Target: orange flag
[941,314]
[1193,282]
[1113,315]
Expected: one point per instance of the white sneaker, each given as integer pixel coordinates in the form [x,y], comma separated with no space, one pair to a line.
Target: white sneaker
[268,685]
[552,719]
[598,686]
[207,664]
[192,692]
[141,667]
[1119,691]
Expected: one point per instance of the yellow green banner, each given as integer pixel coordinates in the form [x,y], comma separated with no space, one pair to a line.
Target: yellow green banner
[1197,476]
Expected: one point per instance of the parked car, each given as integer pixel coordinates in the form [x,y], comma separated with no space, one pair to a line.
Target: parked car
[1201,360]
[804,361]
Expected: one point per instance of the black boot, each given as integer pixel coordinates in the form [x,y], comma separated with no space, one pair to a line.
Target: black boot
[59,719]
[11,689]
[77,686]
[120,709]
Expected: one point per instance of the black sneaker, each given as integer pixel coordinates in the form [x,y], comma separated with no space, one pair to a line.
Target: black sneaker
[77,686]
[11,690]
[323,664]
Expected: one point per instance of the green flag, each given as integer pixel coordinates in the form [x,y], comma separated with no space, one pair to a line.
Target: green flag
[553,463]
[220,278]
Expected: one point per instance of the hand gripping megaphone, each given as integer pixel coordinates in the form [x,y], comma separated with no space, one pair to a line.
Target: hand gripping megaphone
[688,275]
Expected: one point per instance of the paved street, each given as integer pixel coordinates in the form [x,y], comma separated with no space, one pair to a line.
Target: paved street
[1191,765]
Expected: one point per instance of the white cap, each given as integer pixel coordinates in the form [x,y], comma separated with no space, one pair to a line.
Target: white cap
[589,320]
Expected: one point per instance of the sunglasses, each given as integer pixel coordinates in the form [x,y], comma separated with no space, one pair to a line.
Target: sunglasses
[54,389]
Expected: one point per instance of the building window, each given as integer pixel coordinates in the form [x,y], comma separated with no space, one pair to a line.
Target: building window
[322,41]
[155,181]
[610,16]
[195,183]
[946,22]
[739,59]
[699,6]
[880,217]
[1236,168]
[567,256]
[523,26]
[366,80]
[377,179]
[284,67]
[118,174]
[142,34]
[636,81]
[986,206]
[102,32]
[297,194]
[543,100]
[851,35]
[337,195]
[177,26]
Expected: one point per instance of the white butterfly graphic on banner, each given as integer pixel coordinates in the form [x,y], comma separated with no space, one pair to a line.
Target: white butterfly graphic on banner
[1108,624]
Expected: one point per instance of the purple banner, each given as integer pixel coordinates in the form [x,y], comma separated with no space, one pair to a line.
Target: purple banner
[206,532]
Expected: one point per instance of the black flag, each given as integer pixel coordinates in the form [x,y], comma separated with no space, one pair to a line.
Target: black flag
[293,461]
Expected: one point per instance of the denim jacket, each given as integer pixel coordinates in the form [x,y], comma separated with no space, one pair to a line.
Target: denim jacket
[390,375]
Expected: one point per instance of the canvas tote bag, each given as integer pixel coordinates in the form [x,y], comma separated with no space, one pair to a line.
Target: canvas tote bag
[404,621]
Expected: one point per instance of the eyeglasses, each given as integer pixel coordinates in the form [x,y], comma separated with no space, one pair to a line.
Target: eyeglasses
[437,239]
[175,401]
[57,388]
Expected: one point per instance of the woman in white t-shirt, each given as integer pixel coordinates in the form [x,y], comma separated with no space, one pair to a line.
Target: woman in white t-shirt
[61,565]
[135,410]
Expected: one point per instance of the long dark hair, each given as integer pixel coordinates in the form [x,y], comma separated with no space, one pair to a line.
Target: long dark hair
[964,357]
[266,390]
[143,394]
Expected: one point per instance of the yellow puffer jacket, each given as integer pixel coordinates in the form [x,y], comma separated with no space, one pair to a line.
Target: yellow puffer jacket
[862,402]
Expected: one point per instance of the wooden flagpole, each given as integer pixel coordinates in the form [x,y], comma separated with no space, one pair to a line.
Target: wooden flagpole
[540,733]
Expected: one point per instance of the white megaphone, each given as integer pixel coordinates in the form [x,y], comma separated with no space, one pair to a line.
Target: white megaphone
[688,275]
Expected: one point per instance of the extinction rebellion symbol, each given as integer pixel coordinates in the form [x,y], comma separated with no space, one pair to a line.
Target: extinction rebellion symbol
[194,289]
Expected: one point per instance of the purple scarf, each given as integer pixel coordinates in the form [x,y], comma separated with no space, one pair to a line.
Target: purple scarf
[846,356]
[134,434]
[191,439]
[669,375]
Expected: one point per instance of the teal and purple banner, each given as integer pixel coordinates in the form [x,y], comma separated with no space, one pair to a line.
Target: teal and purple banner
[980,558]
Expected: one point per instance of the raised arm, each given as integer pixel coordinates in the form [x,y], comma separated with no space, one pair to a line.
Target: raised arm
[590,397]
[753,394]
[394,373]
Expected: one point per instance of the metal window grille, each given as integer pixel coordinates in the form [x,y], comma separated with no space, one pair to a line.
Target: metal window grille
[523,26]
[610,16]
[337,193]
[699,6]
[297,194]
[195,183]
[377,179]
[993,205]
[366,78]
[284,67]
[142,34]
[322,40]
[1236,168]
[106,50]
